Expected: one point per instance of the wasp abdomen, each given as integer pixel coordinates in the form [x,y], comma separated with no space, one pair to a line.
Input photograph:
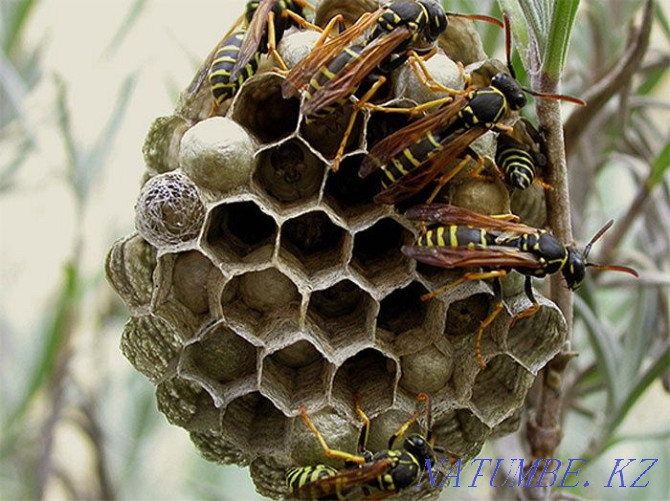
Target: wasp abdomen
[224,60]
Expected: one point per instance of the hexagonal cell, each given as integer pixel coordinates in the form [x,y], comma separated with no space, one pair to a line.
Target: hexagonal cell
[213,447]
[190,279]
[254,299]
[150,344]
[428,370]
[372,375]
[219,357]
[377,253]
[289,172]
[460,432]
[295,375]
[385,425]
[344,313]
[383,124]
[254,424]
[500,389]
[185,403]
[261,108]
[313,243]
[325,134]
[236,230]
[348,193]
[464,318]
[535,340]
[403,309]
[129,267]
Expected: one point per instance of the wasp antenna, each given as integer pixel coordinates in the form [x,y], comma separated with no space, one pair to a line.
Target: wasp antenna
[596,237]
[614,267]
[558,97]
[508,45]
[478,17]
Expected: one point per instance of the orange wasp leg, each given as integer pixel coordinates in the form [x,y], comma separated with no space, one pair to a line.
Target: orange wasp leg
[331,453]
[272,43]
[401,431]
[365,430]
[418,65]
[412,111]
[303,22]
[362,102]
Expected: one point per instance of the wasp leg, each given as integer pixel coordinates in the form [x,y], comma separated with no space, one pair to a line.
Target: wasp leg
[506,217]
[424,397]
[272,43]
[497,307]
[328,452]
[544,184]
[505,129]
[446,178]
[401,431]
[302,21]
[528,312]
[467,277]
[418,65]
[326,31]
[476,173]
[361,103]
[413,110]
[365,429]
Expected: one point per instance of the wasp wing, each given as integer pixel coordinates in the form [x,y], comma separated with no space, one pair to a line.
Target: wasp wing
[417,179]
[491,257]
[389,147]
[302,72]
[345,480]
[446,214]
[348,80]
[257,28]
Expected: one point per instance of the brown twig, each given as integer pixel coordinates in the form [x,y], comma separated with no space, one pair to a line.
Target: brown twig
[608,86]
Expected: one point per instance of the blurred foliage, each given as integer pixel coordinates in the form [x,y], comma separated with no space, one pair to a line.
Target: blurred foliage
[618,168]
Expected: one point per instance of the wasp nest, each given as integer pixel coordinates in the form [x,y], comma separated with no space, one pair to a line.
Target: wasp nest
[259,280]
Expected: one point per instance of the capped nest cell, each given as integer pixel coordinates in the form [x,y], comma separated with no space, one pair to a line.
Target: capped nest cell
[260,281]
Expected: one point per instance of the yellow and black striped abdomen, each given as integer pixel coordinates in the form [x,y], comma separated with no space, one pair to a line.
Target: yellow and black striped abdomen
[224,60]
[328,73]
[302,482]
[456,237]
[409,159]
[517,164]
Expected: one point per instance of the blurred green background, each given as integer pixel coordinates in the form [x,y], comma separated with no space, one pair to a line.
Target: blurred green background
[82,81]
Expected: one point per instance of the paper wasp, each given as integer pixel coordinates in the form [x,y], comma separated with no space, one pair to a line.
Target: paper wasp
[519,155]
[378,475]
[336,70]
[465,239]
[238,55]
[417,154]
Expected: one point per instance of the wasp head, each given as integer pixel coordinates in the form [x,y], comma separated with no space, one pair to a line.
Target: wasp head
[575,268]
[511,89]
[418,446]
[437,20]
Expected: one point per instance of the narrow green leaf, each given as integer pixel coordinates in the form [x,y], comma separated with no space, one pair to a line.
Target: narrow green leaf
[558,41]
[16,14]
[662,21]
[519,28]
[128,23]
[651,81]
[604,349]
[659,167]
[654,371]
